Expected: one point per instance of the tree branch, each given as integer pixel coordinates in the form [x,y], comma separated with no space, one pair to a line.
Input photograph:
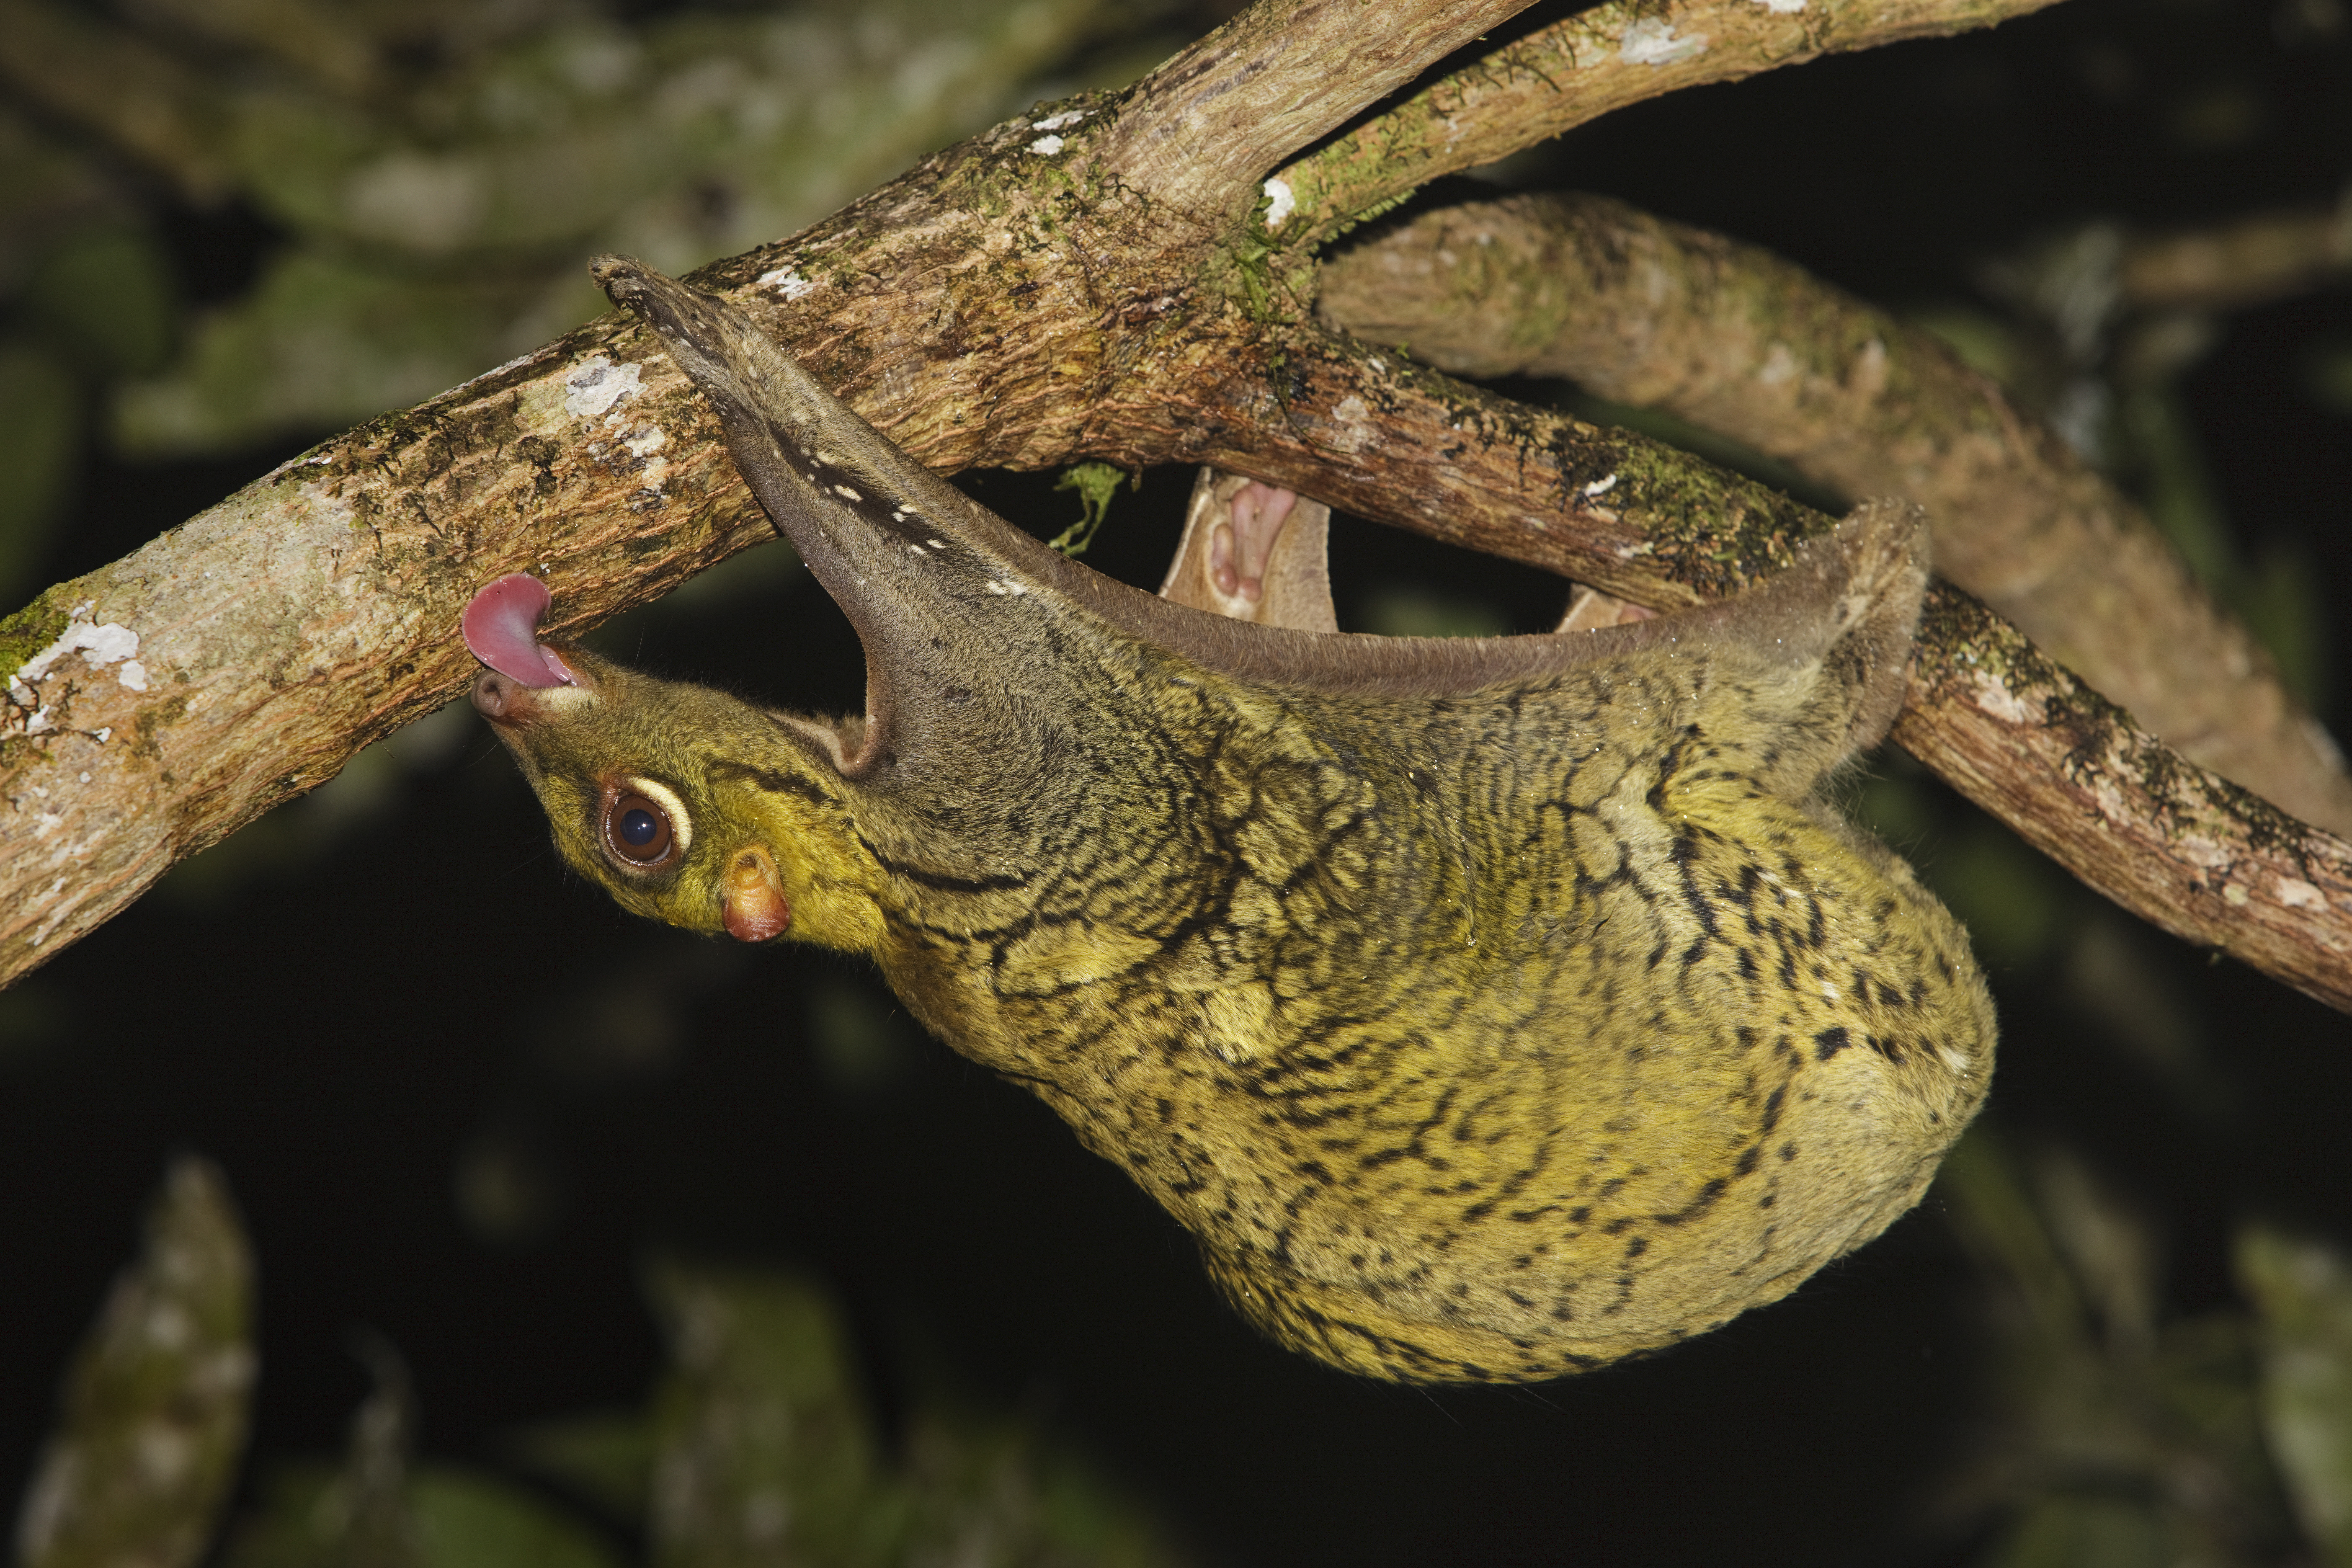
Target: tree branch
[1219,115]
[1578,69]
[1738,340]
[998,304]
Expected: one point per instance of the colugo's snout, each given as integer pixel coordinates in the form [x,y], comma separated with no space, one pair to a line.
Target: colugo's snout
[496,696]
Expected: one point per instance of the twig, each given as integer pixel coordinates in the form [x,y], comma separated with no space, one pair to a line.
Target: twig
[1606,59]
[1214,119]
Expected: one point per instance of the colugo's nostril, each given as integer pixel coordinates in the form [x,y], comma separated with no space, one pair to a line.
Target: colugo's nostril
[493,694]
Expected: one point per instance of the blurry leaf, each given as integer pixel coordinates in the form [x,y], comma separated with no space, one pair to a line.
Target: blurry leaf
[467,1521]
[109,297]
[2327,374]
[323,40]
[2112,974]
[992,1494]
[1892,803]
[449,1518]
[854,1037]
[2284,602]
[156,1405]
[40,448]
[764,1454]
[47,192]
[2085,1532]
[607,1457]
[33,1019]
[2178,487]
[2027,364]
[2223,115]
[509,1189]
[321,343]
[1395,611]
[1995,1218]
[2068,279]
[2302,1288]
[2108,1243]
[2010,898]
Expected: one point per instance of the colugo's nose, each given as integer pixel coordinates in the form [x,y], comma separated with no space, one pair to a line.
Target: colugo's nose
[495,694]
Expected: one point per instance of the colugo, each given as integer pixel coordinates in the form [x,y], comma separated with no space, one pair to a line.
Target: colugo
[1488,1009]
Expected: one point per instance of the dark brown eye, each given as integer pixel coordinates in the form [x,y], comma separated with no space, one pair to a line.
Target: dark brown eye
[638,829]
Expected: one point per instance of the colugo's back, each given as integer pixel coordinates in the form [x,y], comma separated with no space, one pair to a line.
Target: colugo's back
[1487,1009]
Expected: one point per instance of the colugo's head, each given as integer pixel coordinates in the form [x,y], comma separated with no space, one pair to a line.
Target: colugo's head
[648,788]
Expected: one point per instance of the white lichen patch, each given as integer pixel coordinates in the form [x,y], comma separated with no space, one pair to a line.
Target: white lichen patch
[1601,486]
[99,645]
[1047,146]
[1281,202]
[784,280]
[1996,699]
[1782,7]
[1063,120]
[598,384]
[2297,894]
[1651,42]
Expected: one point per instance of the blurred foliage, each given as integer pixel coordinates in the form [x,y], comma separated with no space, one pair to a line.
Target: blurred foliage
[760,1450]
[2110,1437]
[156,1405]
[432,176]
[2302,1286]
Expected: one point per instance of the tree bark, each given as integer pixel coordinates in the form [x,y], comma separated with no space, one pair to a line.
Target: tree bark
[1021,300]
[1738,340]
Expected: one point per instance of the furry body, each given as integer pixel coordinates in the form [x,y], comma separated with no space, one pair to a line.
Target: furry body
[1487,1011]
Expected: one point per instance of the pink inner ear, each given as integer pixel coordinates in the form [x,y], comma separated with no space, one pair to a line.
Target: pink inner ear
[502,628]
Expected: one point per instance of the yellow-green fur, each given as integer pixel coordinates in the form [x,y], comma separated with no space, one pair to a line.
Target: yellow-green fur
[1484,1031]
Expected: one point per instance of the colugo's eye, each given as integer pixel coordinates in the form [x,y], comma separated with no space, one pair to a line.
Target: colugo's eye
[638,829]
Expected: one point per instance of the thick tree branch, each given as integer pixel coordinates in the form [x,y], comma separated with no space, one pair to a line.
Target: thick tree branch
[999,304]
[1738,340]
[2231,265]
[1219,115]
[2178,846]
[1606,59]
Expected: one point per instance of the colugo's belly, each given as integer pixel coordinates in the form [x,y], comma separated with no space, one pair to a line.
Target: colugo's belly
[1562,1154]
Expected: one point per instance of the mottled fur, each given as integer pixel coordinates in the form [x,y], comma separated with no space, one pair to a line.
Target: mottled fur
[1489,1010]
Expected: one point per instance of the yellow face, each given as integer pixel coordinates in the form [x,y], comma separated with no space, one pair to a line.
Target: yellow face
[690,806]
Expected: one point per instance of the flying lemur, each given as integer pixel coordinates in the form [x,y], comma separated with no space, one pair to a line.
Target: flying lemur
[1488,1009]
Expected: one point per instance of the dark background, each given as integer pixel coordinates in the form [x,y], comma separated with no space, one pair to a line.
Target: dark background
[460,1097]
